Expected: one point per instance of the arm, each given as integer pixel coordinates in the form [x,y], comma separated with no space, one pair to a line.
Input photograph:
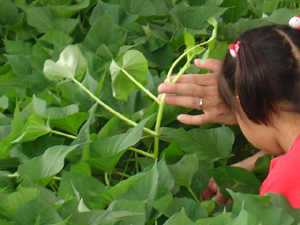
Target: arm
[188,90]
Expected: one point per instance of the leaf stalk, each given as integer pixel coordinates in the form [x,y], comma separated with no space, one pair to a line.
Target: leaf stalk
[152,156]
[111,109]
[140,85]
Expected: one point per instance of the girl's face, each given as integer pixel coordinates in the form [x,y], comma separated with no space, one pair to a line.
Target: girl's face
[261,136]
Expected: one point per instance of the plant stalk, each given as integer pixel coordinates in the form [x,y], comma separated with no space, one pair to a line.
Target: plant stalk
[142,152]
[111,109]
[63,134]
[106,179]
[162,105]
[140,86]
[121,174]
[193,194]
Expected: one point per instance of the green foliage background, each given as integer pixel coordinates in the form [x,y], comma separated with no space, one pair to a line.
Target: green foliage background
[64,159]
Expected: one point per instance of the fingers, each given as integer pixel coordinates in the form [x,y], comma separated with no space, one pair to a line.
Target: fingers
[194,120]
[213,192]
[206,79]
[182,89]
[210,64]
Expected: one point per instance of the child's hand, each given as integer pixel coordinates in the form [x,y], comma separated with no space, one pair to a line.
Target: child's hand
[213,191]
[188,90]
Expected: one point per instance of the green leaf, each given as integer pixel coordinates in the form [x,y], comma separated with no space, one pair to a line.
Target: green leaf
[17,125]
[34,128]
[281,201]
[55,37]
[179,219]
[147,188]
[46,165]
[237,9]
[104,8]
[196,17]
[281,16]
[4,102]
[110,34]
[184,170]
[135,64]
[114,126]
[139,7]
[244,218]
[236,179]
[38,207]
[172,153]
[269,6]
[106,152]
[39,18]
[13,201]
[193,210]
[220,219]
[71,63]
[136,207]
[211,145]
[253,204]
[80,186]
[8,13]
[18,47]
[66,10]
[81,97]
[119,189]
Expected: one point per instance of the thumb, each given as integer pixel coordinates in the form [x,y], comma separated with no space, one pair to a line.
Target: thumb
[212,185]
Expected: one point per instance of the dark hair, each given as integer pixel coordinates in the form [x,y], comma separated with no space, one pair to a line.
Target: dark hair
[265,75]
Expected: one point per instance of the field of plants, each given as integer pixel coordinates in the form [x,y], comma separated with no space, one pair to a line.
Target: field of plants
[84,139]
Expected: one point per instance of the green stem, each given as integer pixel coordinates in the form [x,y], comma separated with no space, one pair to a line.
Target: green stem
[193,194]
[140,86]
[57,178]
[183,69]
[52,187]
[142,152]
[13,175]
[111,109]
[161,108]
[136,163]
[122,174]
[106,179]
[63,134]
[158,123]
[127,164]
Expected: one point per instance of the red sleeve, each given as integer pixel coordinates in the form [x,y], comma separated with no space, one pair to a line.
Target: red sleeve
[284,175]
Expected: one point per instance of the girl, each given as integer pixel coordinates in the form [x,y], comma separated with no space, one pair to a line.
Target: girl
[260,80]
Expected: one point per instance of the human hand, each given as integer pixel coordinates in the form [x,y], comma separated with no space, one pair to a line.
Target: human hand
[191,87]
[213,192]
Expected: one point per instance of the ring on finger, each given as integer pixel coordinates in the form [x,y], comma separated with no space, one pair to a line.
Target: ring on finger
[200,104]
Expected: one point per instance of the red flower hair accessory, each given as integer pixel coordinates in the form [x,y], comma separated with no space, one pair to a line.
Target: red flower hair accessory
[295,22]
[234,48]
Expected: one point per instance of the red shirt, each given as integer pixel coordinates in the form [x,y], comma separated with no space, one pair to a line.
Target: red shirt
[284,175]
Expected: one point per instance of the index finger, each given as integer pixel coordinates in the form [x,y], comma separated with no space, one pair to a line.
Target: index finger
[213,65]
[208,79]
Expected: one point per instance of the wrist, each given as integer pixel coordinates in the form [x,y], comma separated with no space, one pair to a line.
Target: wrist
[249,163]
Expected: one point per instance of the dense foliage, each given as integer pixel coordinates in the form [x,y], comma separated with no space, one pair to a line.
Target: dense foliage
[83,138]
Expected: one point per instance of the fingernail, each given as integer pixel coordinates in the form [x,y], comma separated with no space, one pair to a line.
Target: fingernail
[163,88]
[181,118]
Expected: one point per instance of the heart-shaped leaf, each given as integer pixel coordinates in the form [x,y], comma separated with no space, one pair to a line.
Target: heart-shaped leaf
[133,63]
[71,63]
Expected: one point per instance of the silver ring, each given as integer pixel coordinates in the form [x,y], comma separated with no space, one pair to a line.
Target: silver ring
[200,104]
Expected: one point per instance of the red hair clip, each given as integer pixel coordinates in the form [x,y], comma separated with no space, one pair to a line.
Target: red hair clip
[295,22]
[234,48]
